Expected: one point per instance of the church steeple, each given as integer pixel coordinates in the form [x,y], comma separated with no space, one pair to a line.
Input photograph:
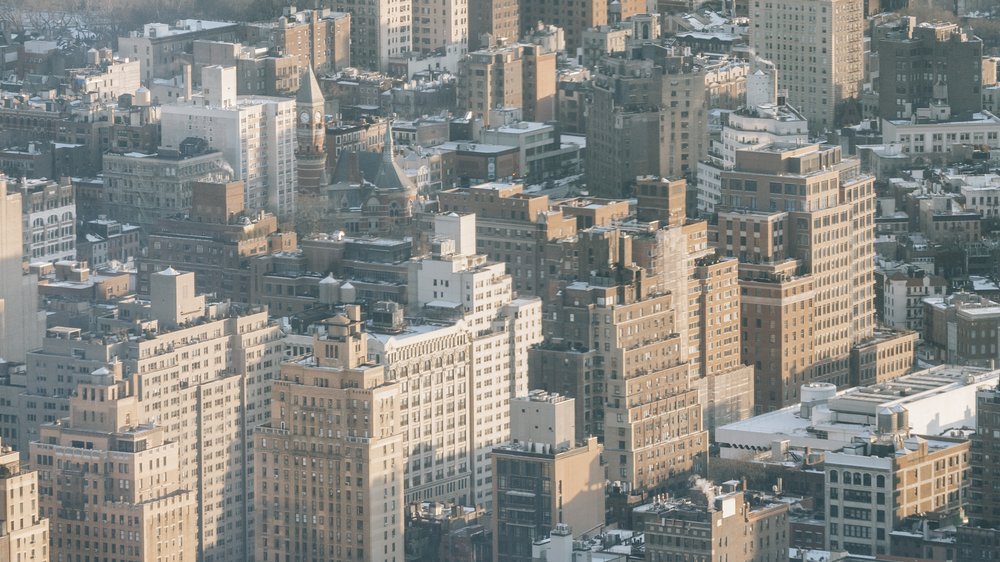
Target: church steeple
[310,133]
[309,91]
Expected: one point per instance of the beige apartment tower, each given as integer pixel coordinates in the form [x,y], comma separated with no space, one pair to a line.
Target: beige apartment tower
[818,48]
[801,221]
[329,466]
[112,484]
[24,534]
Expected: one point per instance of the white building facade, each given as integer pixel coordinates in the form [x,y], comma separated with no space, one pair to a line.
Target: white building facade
[256,135]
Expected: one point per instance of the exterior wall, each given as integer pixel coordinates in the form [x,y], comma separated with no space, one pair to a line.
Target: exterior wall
[49,219]
[436,26]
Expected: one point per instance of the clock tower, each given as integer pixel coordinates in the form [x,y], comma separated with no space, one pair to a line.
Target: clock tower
[310,133]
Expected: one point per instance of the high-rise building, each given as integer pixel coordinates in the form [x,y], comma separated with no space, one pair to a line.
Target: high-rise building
[256,135]
[646,117]
[433,364]
[380,29]
[518,75]
[454,282]
[439,23]
[574,17]
[984,488]
[161,47]
[111,482]
[24,533]
[202,371]
[800,220]
[319,39]
[545,477]
[928,64]
[500,19]
[21,323]
[329,465]
[981,535]
[819,54]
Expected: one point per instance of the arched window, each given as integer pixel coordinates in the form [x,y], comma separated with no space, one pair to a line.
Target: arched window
[833,476]
[880,481]
[67,216]
[847,477]
[868,479]
[857,478]
[38,222]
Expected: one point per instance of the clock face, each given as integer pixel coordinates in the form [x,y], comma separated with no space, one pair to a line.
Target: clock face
[318,116]
[304,117]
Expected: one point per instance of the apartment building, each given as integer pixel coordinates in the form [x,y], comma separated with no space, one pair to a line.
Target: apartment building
[25,533]
[647,117]
[329,465]
[926,64]
[22,325]
[318,39]
[508,75]
[112,483]
[572,17]
[256,135]
[761,124]
[161,48]
[380,30]
[501,19]
[514,228]
[433,365]
[439,23]
[962,329]
[456,283]
[984,496]
[903,297]
[142,189]
[817,47]
[49,218]
[545,478]
[805,243]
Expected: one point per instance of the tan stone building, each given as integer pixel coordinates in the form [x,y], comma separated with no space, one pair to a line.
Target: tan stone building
[202,371]
[545,477]
[514,75]
[24,533]
[800,220]
[317,38]
[21,324]
[818,49]
[717,525]
[329,466]
[111,482]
